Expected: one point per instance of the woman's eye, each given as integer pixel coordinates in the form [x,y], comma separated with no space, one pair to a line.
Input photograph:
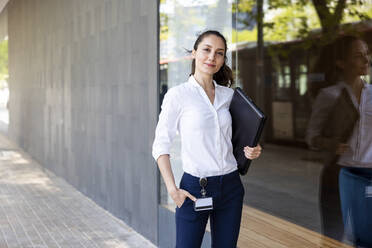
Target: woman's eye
[221,54]
[206,49]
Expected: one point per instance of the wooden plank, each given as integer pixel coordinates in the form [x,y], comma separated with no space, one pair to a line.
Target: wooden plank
[262,230]
[281,231]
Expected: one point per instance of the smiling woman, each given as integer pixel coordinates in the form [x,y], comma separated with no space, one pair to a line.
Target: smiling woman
[199,110]
[192,17]
[209,57]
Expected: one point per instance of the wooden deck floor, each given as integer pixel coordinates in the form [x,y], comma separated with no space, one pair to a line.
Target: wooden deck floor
[262,230]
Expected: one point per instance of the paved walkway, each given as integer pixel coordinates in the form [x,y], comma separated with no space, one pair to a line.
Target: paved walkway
[40,210]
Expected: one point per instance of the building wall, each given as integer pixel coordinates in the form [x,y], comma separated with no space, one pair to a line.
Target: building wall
[83,98]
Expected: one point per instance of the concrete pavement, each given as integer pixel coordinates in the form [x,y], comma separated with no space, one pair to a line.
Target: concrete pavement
[40,210]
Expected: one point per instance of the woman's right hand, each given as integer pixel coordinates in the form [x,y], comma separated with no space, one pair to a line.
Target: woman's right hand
[179,196]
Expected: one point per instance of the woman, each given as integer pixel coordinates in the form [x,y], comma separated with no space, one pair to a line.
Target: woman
[354,155]
[199,111]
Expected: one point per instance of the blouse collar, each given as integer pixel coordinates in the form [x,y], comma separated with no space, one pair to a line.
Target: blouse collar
[193,81]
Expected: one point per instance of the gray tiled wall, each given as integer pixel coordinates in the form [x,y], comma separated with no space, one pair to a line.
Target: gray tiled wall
[83,98]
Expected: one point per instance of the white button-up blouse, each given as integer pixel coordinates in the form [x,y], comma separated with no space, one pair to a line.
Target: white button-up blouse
[205,129]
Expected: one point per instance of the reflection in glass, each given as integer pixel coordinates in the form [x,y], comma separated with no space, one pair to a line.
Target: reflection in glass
[284,182]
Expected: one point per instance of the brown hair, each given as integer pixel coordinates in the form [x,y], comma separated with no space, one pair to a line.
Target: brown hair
[326,64]
[224,76]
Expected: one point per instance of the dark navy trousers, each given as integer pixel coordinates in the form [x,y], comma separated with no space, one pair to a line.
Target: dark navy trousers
[356,204]
[227,192]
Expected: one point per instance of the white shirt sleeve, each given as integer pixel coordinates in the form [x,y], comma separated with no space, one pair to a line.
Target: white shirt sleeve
[168,124]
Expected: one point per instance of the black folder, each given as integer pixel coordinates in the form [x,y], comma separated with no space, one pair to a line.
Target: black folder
[247,124]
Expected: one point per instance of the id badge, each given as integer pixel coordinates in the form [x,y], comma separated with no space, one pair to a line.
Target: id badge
[202,204]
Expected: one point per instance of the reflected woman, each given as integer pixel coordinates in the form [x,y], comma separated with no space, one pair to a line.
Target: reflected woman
[199,110]
[353,156]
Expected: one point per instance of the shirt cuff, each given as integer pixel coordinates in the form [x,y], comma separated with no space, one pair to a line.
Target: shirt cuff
[157,154]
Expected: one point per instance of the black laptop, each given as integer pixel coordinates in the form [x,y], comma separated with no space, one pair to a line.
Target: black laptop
[247,125]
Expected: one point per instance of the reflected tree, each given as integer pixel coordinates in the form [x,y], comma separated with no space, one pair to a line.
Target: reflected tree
[293,19]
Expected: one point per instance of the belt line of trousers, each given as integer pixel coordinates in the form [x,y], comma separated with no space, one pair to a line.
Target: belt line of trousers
[227,192]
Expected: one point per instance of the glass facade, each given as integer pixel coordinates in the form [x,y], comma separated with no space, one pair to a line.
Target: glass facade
[284,186]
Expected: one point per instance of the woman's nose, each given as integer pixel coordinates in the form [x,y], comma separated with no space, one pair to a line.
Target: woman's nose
[211,56]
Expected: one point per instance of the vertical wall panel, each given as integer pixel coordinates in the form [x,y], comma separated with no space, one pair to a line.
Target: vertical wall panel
[83,83]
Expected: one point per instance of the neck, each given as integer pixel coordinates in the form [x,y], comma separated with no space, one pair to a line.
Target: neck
[205,80]
[353,81]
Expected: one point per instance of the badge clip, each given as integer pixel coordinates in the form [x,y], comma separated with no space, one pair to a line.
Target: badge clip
[204,203]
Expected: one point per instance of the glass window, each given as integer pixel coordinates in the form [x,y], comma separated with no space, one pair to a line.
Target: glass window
[285,189]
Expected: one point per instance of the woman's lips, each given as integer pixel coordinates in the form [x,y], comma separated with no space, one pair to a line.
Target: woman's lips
[210,65]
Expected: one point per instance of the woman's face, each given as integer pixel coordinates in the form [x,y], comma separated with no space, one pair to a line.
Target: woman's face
[209,55]
[358,61]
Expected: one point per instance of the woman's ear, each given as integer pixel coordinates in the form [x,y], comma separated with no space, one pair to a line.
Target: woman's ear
[193,53]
